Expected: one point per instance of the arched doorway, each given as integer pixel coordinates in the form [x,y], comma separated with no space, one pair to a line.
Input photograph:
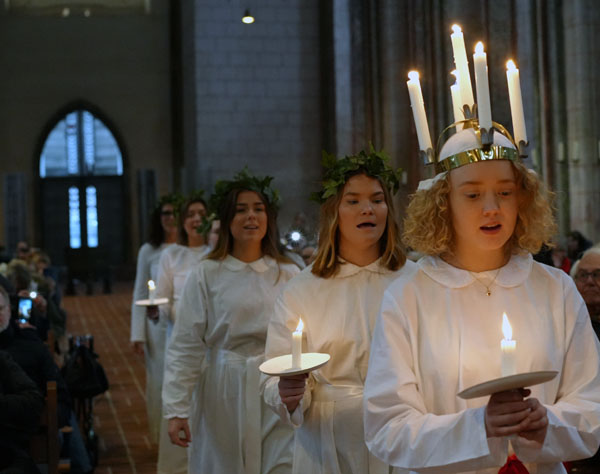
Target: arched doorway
[82,193]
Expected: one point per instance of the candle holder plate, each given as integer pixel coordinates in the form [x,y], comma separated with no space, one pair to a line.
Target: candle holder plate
[156,302]
[282,365]
[510,382]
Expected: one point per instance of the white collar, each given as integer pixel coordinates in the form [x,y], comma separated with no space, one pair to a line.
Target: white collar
[260,266]
[514,273]
[348,269]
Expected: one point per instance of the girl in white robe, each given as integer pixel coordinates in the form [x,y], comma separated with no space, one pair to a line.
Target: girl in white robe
[221,324]
[439,331]
[147,336]
[338,298]
[173,267]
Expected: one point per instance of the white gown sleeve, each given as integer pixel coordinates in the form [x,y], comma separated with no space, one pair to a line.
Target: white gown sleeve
[398,428]
[140,292]
[574,419]
[187,349]
[164,285]
[279,342]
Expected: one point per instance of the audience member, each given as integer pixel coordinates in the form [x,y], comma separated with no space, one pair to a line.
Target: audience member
[576,245]
[560,259]
[21,404]
[586,273]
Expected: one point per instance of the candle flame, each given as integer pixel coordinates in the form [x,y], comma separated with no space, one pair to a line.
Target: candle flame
[510,65]
[506,328]
[455,74]
[151,285]
[479,48]
[413,76]
[300,326]
[456,29]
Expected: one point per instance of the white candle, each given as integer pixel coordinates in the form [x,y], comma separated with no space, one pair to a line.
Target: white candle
[462,66]
[508,347]
[297,346]
[516,102]
[484,109]
[418,108]
[151,291]
[456,107]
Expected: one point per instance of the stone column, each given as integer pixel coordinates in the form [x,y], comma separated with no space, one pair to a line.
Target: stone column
[582,49]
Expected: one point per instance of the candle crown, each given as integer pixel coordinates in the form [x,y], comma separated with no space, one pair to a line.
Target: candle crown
[482,138]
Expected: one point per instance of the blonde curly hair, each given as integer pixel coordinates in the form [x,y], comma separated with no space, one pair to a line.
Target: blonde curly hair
[428,223]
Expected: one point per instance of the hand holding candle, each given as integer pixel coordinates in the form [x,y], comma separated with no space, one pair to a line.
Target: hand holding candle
[508,347]
[151,291]
[297,346]
[516,102]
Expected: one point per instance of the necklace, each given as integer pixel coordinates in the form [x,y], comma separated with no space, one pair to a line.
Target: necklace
[487,287]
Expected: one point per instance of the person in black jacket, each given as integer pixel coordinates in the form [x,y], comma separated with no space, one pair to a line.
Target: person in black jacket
[21,405]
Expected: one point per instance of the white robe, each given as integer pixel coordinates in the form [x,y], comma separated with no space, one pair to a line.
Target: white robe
[222,320]
[151,334]
[339,316]
[173,267]
[439,333]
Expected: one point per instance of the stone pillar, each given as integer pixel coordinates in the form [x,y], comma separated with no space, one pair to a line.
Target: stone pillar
[582,49]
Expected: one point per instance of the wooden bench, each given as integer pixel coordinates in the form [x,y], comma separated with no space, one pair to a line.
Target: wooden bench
[44,447]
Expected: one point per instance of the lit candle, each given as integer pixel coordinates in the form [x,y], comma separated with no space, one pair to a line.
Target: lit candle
[462,66]
[297,346]
[484,109]
[151,291]
[516,102]
[456,108]
[418,108]
[508,347]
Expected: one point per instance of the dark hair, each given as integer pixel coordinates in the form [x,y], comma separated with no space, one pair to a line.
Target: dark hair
[227,213]
[156,232]
[182,237]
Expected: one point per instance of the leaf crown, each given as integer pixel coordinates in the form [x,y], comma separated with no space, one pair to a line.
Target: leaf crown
[338,171]
[243,181]
[175,199]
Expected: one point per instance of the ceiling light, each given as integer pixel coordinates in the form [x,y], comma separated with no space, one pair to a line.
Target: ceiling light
[247,18]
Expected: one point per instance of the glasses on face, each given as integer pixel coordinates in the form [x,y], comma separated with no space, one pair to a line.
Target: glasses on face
[167,213]
[581,276]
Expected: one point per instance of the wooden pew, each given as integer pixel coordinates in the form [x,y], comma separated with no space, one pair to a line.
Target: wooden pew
[44,447]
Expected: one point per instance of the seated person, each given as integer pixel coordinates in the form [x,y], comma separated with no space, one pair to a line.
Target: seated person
[19,276]
[586,273]
[34,358]
[21,405]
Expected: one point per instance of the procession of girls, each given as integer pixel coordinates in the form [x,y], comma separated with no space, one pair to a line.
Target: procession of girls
[405,340]
[237,306]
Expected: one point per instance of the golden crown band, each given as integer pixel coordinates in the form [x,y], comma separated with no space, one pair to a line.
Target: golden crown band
[495,152]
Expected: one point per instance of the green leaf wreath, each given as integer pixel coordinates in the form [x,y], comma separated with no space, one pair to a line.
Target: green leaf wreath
[338,171]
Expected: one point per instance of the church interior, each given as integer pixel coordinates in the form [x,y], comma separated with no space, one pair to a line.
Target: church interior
[107,105]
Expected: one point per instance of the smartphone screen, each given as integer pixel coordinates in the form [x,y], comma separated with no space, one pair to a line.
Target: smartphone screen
[25,305]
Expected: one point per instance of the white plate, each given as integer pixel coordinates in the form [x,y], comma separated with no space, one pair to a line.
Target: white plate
[282,365]
[509,382]
[156,302]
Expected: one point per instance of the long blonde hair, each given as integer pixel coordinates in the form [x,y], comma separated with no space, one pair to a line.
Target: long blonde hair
[327,262]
